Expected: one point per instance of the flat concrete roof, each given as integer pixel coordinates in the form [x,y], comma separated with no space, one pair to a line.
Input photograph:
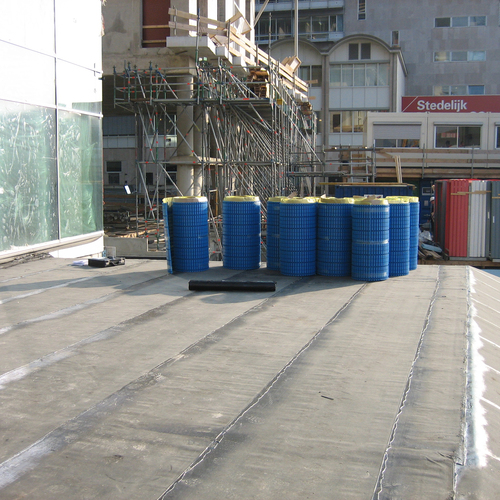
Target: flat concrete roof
[121,383]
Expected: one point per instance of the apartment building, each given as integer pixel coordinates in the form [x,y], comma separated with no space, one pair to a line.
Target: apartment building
[363,55]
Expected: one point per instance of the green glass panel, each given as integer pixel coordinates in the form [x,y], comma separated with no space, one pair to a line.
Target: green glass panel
[80,174]
[28,176]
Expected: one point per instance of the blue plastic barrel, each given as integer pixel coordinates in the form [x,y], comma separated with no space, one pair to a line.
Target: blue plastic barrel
[273,233]
[190,234]
[241,231]
[370,240]
[414,230]
[399,236]
[334,236]
[298,236]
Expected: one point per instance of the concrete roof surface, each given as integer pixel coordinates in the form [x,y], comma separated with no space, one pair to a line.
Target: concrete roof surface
[121,383]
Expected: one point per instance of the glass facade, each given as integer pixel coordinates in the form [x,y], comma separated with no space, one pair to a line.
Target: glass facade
[457,136]
[50,121]
[359,75]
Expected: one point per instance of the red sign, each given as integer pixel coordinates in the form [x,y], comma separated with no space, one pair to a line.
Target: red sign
[452,104]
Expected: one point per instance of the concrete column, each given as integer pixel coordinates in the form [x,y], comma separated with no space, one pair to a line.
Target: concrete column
[198,149]
[185,156]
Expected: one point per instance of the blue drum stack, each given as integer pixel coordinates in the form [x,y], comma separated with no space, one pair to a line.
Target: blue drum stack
[241,232]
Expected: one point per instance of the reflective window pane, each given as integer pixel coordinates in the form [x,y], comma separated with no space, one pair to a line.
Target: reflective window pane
[469,137]
[316,76]
[477,21]
[441,56]
[80,174]
[476,89]
[359,75]
[335,123]
[383,74]
[460,21]
[371,75]
[458,90]
[446,136]
[347,121]
[477,55]
[347,76]
[442,22]
[28,176]
[335,75]
[459,56]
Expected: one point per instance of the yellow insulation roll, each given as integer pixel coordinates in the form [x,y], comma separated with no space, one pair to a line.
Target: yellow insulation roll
[345,201]
[241,198]
[298,200]
[190,199]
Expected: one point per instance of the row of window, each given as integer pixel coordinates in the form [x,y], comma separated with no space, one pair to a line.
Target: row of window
[459,55]
[359,75]
[446,136]
[114,168]
[458,90]
[370,75]
[439,22]
[310,27]
[460,21]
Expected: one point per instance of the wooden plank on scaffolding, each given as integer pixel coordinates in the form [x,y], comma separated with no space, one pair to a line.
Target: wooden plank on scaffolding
[190,27]
[194,17]
[257,55]
[399,173]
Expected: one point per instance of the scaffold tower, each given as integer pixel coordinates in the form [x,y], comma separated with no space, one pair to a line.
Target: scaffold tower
[236,130]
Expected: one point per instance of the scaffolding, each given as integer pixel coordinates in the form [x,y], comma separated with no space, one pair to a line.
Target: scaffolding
[238,130]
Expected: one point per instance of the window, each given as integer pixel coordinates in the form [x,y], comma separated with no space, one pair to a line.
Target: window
[459,22]
[397,143]
[498,138]
[149,179]
[477,21]
[319,27]
[458,136]
[353,51]
[310,27]
[460,56]
[475,89]
[113,166]
[335,123]
[395,38]
[459,90]
[361,10]
[359,75]
[311,74]
[347,121]
[359,51]
[113,178]
[442,22]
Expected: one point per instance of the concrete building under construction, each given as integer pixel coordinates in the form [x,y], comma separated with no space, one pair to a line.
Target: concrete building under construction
[203,111]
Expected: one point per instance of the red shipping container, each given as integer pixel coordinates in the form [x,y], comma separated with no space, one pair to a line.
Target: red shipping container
[457,217]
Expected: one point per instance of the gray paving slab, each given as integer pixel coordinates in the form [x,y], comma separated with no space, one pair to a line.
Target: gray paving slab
[121,383]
